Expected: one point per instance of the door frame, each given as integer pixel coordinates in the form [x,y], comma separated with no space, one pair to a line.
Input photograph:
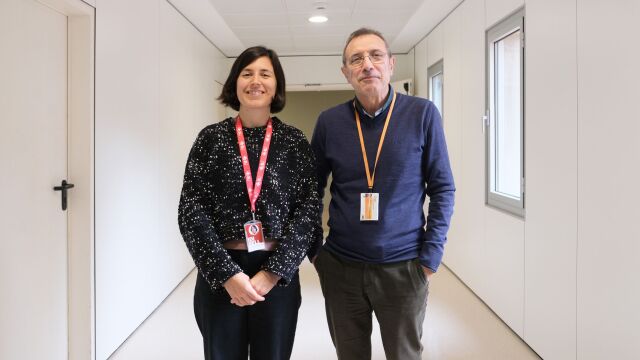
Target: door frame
[80,171]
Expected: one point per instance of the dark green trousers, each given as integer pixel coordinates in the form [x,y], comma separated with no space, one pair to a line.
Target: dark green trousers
[396,293]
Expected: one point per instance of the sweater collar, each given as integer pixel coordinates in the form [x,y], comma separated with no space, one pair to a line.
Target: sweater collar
[384,107]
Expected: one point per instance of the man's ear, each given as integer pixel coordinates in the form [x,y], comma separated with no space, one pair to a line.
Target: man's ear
[345,72]
[392,64]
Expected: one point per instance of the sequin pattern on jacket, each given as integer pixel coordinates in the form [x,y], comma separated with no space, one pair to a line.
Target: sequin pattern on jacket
[214,203]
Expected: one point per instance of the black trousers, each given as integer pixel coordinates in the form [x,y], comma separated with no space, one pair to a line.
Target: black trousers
[265,330]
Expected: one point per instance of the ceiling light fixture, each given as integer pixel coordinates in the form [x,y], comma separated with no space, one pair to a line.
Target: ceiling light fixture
[318,19]
[318,14]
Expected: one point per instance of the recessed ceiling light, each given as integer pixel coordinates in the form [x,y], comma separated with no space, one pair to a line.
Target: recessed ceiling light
[319,12]
[318,19]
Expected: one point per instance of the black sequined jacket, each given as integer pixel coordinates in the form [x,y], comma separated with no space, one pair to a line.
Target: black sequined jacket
[214,203]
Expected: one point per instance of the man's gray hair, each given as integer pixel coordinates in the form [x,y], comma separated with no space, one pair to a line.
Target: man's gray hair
[361,32]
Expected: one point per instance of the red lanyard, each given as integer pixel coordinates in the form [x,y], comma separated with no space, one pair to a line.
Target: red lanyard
[253,190]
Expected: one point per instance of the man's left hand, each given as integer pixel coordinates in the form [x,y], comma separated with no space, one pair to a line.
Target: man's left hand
[427,273]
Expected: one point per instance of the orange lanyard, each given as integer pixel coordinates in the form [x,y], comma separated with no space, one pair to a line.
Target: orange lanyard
[370,176]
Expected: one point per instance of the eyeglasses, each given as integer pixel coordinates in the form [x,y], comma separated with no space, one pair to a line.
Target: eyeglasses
[376,57]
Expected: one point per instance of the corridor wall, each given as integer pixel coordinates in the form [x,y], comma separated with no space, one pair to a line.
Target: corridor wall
[559,277]
[156,83]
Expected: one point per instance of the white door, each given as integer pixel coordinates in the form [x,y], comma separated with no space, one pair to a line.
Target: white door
[33,159]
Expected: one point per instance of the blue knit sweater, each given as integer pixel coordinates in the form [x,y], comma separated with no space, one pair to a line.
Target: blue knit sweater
[413,164]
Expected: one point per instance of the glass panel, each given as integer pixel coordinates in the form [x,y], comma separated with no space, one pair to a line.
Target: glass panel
[436,91]
[507,116]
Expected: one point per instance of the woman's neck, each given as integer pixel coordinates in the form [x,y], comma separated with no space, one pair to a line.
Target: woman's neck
[252,118]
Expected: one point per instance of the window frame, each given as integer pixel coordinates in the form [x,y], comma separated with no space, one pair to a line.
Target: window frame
[506,27]
[432,71]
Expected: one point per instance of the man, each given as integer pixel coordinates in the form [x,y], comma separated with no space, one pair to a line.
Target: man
[386,152]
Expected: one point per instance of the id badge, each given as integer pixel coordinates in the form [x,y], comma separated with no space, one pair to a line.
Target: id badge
[369,206]
[253,235]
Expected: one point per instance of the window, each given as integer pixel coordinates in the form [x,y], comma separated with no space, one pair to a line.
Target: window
[504,123]
[435,73]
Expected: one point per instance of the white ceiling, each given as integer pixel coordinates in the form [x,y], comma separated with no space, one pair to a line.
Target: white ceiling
[233,25]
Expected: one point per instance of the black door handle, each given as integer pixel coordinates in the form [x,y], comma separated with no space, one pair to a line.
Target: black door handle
[63,187]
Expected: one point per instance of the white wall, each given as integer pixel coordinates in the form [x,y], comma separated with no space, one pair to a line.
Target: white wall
[155,89]
[466,252]
[548,276]
[558,277]
[300,70]
[552,175]
[608,177]
[420,83]
[486,246]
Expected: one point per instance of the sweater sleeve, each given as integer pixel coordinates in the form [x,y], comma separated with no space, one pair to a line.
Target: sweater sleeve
[323,169]
[440,189]
[303,223]
[195,216]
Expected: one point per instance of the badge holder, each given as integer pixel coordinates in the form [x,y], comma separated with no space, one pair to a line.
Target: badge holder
[369,206]
[253,235]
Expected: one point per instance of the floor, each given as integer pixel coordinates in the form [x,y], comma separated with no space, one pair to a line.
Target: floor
[458,326]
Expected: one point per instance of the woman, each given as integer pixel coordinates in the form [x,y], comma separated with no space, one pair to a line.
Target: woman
[246,173]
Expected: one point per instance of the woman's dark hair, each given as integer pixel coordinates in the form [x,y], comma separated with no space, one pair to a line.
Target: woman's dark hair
[229,96]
